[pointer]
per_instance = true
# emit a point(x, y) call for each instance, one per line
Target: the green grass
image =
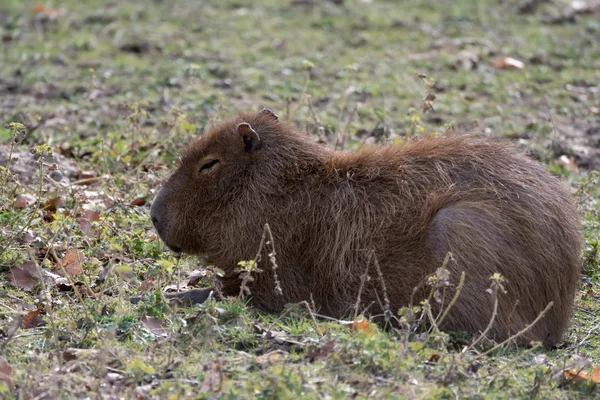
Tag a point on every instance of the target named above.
point(118, 88)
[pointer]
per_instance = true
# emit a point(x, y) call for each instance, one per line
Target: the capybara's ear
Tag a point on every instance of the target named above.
point(271, 114)
point(250, 137)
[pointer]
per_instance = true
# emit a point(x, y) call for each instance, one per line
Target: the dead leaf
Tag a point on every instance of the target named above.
point(361, 326)
point(147, 285)
point(86, 175)
point(63, 285)
point(576, 376)
point(71, 263)
point(156, 326)
point(113, 377)
point(315, 353)
point(270, 357)
point(428, 103)
point(6, 374)
point(508, 63)
point(50, 13)
point(596, 374)
point(435, 358)
point(52, 204)
point(24, 277)
point(71, 354)
point(213, 379)
point(33, 319)
point(85, 222)
point(138, 202)
point(24, 201)
point(567, 163)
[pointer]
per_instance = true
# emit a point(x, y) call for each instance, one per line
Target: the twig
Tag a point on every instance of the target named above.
point(341, 141)
point(521, 332)
point(517, 358)
point(48, 307)
point(580, 343)
point(291, 114)
point(489, 326)
point(554, 130)
point(274, 265)
point(459, 288)
point(363, 278)
point(387, 311)
point(427, 307)
point(110, 177)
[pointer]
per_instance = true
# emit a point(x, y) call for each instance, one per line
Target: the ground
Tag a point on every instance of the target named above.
point(98, 97)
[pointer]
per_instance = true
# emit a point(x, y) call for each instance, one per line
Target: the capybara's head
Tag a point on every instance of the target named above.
point(215, 170)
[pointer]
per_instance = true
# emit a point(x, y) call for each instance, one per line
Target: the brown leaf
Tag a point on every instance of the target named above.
point(24, 201)
point(156, 326)
point(271, 357)
point(86, 175)
point(82, 289)
point(567, 163)
point(429, 97)
point(435, 358)
point(147, 285)
point(24, 277)
point(315, 353)
point(50, 13)
point(5, 374)
point(71, 263)
point(52, 205)
point(38, 9)
point(33, 319)
point(213, 379)
point(361, 325)
point(596, 374)
point(138, 202)
point(428, 106)
point(575, 376)
point(85, 222)
point(69, 355)
point(508, 63)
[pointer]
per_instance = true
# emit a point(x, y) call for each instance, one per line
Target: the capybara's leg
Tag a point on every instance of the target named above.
point(484, 240)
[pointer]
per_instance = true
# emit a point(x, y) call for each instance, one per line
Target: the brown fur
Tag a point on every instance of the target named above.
point(493, 208)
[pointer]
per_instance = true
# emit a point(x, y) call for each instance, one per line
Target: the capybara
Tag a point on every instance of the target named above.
point(334, 215)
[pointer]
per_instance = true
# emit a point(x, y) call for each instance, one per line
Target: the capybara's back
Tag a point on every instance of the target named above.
point(393, 211)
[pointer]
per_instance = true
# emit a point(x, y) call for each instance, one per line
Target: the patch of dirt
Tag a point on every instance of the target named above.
point(24, 168)
point(580, 142)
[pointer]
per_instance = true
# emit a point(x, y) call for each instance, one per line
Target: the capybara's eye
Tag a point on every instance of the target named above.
point(208, 165)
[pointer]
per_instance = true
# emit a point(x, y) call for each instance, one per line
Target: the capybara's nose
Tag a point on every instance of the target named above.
point(158, 215)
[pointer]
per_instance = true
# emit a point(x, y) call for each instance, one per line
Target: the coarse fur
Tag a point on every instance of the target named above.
point(493, 208)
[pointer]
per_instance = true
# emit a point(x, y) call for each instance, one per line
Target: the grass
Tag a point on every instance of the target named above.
point(115, 89)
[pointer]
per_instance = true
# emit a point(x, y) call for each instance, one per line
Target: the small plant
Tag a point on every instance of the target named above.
point(16, 129)
point(246, 269)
